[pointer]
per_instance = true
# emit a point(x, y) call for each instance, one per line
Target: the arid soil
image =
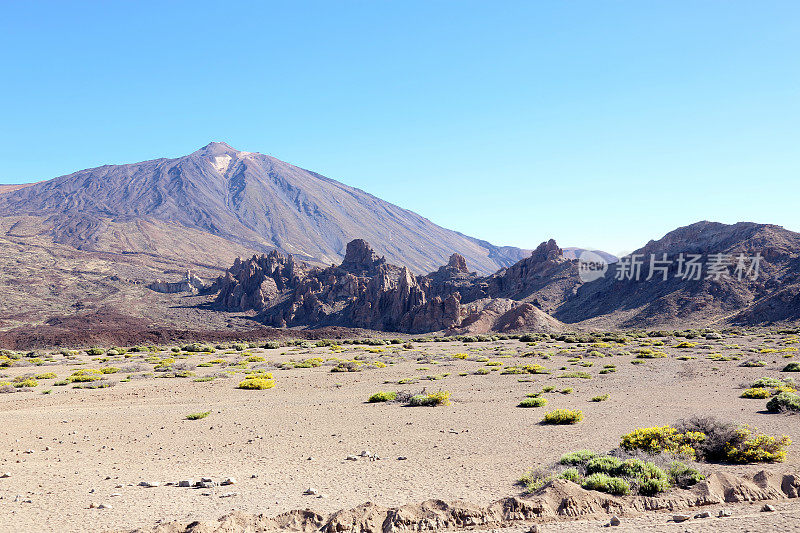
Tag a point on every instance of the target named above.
point(69, 450)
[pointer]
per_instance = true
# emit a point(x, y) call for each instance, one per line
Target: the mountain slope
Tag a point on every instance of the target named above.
point(249, 199)
point(770, 297)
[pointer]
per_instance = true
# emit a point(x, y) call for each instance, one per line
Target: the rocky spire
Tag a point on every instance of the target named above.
point(458, 263)
point(360, 257)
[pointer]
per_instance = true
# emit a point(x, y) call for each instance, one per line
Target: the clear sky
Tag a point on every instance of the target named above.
point(599, 123)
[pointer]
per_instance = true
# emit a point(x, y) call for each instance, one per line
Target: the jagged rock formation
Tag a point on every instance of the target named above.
point(364, 291)
point(546, 278)
point(369, 292)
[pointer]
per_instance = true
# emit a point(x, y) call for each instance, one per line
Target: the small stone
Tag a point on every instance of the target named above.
point(149, 484)
point(206, 479)
point(104, 506)
point(351, 458)
point(723, 513)
point(5, 475)
point(705, 514)
point(115, 494)
point(614, 521)
point(206, 484)
point(310, 491)
point(364, 453)
point(92, 505)
point(533, 529)
point(229, 495)
point(186, 483)
point(310, 458)
point(680, 517)
point(322, 496)
point(229, 481)
point(402, 458)
point(768, 508)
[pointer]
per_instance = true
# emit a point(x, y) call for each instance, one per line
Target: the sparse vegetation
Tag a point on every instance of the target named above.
point(430, 400)
point(581, 375)
point(198, 416)
point(563, 416)
point(382, 397)
point(259, 383)
point(756, 393)
point(785, 401)
point(533, 402)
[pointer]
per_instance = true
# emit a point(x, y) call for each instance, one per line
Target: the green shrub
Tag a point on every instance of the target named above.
point(683, 476)
point(600, 398)
point(605, 464)
point(46, 375)
point(535, 480)
point(577, 457)
point(571, 474)
point(766, 383)
point(794, 366)
point(651, 487)
point(430, 400)
point(198, 416)
point(563, 416)
point(605, 483)
point(533, 402)
point(582, 375)
point(95, 351)
point(256, 384)
point(382, 396)
point(785, 401)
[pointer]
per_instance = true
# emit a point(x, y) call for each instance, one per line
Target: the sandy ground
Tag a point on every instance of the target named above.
point(70, 448)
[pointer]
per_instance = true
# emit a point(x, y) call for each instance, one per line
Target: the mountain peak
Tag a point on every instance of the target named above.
point(217, 148)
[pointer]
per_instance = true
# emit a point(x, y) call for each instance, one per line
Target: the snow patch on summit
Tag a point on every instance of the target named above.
point(221, 163)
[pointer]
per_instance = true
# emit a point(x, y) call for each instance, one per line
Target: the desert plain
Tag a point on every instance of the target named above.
point(85, 431)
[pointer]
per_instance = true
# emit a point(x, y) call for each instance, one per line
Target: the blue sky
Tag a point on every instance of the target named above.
point(600, 124)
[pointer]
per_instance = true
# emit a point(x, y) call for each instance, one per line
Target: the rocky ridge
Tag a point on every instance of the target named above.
point(366, 291)
point(540, 292)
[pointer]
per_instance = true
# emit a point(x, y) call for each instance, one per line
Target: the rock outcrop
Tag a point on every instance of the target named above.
point(363, 291)
point(546, 278)
point(190, 283)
